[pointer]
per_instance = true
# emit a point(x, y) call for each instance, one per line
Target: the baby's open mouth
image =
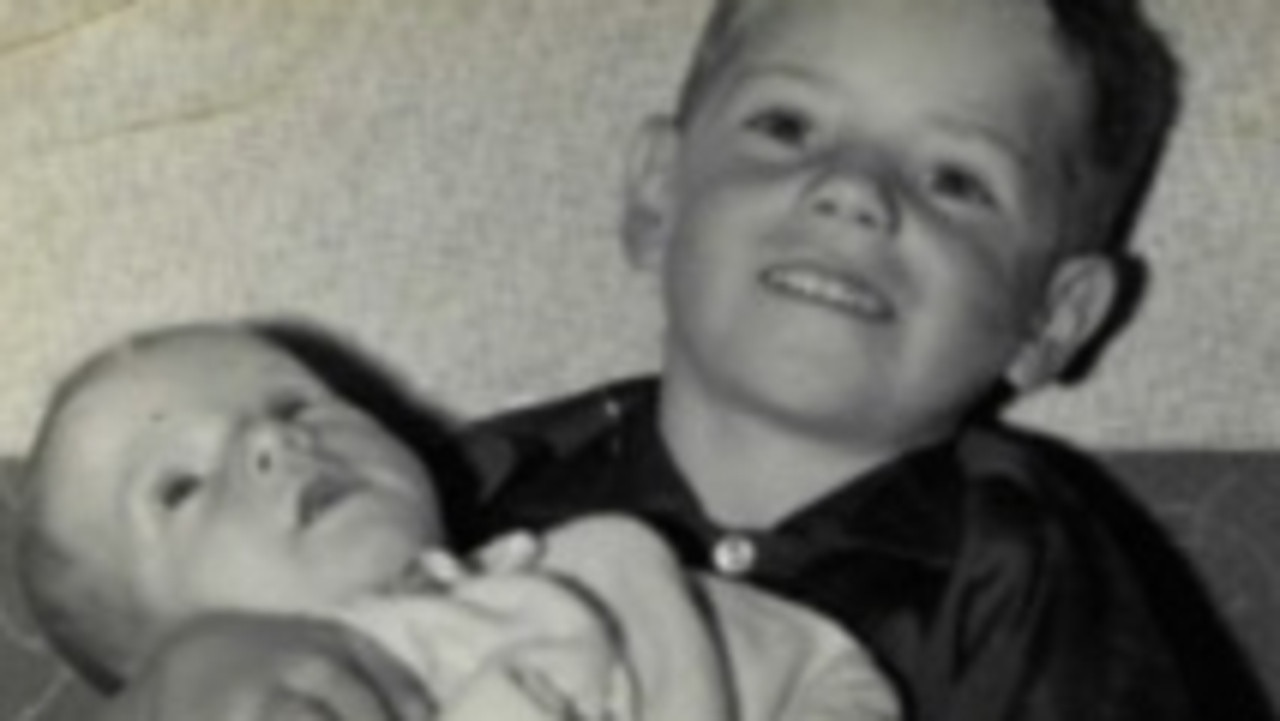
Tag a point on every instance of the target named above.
point(322, 494)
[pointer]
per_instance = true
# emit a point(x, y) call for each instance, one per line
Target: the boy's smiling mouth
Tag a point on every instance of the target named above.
point(844, 291)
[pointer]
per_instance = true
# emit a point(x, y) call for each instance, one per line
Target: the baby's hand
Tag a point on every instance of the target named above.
point(513, 552)
point(438, 569)
point(243, 668)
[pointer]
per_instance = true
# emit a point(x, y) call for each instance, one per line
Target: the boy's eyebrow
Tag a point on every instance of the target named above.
point(761, 72)
point(985, 135)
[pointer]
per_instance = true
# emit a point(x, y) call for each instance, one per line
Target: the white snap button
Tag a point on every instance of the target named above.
point(734, 555)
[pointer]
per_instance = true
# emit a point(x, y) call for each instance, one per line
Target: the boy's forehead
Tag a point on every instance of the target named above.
point(864, 19)
point(1000, 60)
point(742, 12)
point(988, 33)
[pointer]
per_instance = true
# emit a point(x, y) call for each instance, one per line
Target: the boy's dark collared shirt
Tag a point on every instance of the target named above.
point(983, 583)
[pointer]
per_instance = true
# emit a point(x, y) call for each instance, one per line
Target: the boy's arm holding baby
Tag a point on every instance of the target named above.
point(247, 668)
point(251, 667)
point(538, 632)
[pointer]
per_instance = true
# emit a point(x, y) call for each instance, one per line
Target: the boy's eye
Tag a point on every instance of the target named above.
point(781, 125)
point(177, 489)
point(959, 184)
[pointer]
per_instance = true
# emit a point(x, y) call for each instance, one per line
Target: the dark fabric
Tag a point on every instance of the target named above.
point(974, 569)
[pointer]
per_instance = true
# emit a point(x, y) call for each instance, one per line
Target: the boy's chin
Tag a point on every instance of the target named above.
point(806, 400)
point(816, 416)
point(849, 417)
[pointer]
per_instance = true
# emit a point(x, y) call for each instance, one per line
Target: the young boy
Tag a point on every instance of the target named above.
point(870, 218)
point(202, 470)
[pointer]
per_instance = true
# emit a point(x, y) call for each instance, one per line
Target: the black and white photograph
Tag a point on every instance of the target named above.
point(639, 360)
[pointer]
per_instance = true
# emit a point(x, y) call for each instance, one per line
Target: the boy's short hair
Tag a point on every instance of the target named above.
point(1131, 74)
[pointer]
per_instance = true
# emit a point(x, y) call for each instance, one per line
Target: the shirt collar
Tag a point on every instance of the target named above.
point(904, 507)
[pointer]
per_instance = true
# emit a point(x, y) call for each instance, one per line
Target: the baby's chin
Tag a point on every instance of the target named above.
point(386, 562)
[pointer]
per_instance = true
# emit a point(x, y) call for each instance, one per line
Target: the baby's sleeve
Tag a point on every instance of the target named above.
point(439, 641)
point(663, 632)
point(534, 632)
point(787, 663)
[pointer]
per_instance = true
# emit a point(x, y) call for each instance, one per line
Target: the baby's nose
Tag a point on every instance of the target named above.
point(275, 449)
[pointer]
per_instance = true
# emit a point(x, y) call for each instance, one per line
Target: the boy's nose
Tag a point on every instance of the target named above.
point(856, 195)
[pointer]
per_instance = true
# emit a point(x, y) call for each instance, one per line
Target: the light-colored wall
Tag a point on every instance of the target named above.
point(436, 180)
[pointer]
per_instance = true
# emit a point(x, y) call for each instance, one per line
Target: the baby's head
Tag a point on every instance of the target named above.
point(867, 213)
point(203, 468)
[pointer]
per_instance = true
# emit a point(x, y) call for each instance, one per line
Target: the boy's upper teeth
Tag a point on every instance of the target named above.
point(839, 290)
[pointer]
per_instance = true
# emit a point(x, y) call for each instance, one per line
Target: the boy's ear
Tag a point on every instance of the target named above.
point(1077, 303)
point(649, 206)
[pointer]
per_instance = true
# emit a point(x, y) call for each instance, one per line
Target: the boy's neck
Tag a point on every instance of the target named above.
point(753, 472)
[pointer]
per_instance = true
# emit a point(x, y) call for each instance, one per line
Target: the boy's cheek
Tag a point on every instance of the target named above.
point(721, 165)
point(977, 287)
point(739, 205)
point(988, 256)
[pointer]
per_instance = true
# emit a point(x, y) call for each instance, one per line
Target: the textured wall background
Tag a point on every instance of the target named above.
point(436, 180)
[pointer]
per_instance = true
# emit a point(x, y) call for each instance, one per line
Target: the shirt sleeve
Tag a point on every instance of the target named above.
point(1041, 619)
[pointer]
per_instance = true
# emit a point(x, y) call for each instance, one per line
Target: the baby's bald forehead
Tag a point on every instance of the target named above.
point(212, 355)
point(143, 382)
point(191, 366)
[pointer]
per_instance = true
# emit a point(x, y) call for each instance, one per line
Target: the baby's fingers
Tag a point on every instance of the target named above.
point(511, 553)
point(443, 568)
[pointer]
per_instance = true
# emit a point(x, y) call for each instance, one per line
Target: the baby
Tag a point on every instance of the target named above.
point(203, 469)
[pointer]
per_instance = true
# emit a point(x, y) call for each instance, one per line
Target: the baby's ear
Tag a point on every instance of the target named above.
point(649, 201)
point(1080, 296)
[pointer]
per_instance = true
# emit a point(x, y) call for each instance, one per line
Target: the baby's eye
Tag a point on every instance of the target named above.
point(959, 184)
point(782, 125)
point(287, 406)
point(177, 489)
